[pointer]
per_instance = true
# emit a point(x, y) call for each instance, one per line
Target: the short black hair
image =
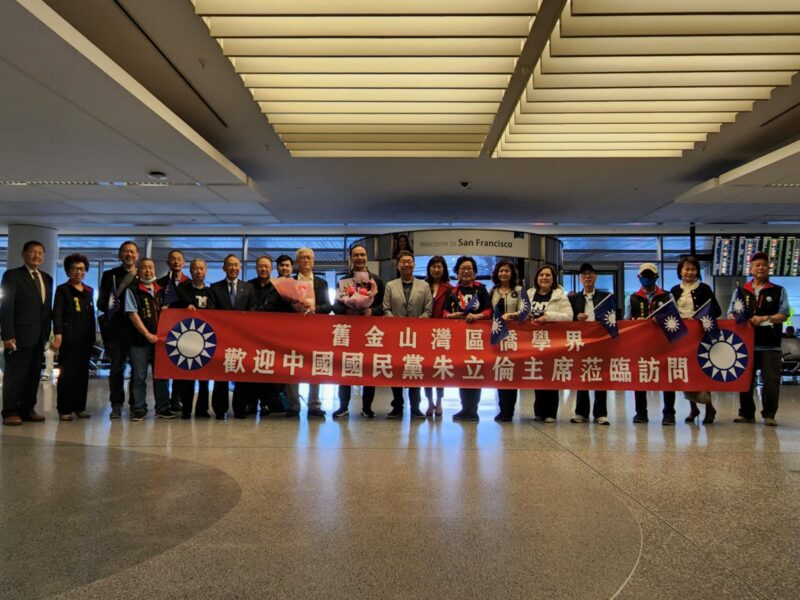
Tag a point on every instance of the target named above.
point(514, 275)
point(691, 260)
point(31, 243)
point(284, 258)
point(74, 259)
point(445, 271)
point(462, 259)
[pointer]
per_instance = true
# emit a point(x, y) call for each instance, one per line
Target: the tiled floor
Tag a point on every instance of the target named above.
point(374, 508)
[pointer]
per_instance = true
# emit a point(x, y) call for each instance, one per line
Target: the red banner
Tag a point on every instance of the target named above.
point(281, 347)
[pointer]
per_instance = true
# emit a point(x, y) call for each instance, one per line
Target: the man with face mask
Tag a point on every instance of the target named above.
point(641, 305)
point(170, 298)
point(143, 305)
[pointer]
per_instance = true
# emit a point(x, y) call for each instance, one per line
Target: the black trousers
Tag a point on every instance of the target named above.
point(641, 403)
point(120, 355)
point(414, 397)
point(185, 391)
point(508, 401)
point(251, 393)
point(470, 398)
point(21, 380)
point(73, 378)
point(545, 403)
point(582, 404)
point(769, 363)
point(367, 396)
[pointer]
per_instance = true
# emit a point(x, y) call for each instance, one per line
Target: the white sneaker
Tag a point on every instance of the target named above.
point(549, 420)
point(602, 421)
point(577, 419)
point(770, 422)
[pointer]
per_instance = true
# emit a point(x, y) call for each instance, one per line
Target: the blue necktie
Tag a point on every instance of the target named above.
point(233, 293)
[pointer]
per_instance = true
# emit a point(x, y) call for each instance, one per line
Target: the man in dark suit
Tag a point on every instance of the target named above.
point(231, 294)
point(170, 298)
point(115, 326)
point(25, 315)
point(583, 305)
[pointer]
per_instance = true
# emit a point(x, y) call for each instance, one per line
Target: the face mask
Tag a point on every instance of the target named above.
point(647, 281)
point(147, 281)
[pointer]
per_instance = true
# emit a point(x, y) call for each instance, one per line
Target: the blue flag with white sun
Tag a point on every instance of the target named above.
point(707, 319)
point(524, 307)
point(499, 327)
point(739, 306)
point(605, 313)
point(669, 319)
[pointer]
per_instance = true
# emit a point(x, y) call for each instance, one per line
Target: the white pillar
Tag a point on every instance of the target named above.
point(19, 234)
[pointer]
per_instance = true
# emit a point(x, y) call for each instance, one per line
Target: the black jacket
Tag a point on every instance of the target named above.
point(23, 315)
point(578, 301)
point(119, 327)
point(220, 298)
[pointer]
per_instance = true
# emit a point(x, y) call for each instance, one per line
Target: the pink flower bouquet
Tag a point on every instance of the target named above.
point(294, 291)
point(358, 292)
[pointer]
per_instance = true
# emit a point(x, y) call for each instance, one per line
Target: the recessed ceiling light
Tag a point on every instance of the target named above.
point(157, 175)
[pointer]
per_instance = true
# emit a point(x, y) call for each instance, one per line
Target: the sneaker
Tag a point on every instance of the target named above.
point(602, 421)
point(770, 422)
point(578, 419)
point(637, 418)
point(367, 413)
point(668, 421)
point(316, 412)
point(292, 414)
point(342, 411)
point(395, 414)
point(549, 420)
point(116, 411)
point(165, 414)
point(461, 415)
point(417, 414)
point(741, 419)
point(138, 416)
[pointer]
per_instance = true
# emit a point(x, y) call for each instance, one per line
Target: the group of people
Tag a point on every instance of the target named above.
point(131, 299)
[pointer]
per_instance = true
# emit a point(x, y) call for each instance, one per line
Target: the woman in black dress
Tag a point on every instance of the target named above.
point(74, 329)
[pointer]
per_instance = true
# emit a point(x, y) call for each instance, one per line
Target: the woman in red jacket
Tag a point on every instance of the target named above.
point(439, 280)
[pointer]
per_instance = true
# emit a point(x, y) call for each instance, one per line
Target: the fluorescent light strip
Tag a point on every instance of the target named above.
point(356, 7)
point(376, 95)
point(376, 80)
point(242, 47)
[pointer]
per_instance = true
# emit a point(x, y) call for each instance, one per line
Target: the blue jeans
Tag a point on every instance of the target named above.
point(141, 358)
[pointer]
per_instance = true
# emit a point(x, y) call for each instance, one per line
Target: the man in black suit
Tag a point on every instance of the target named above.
point(170, 298)
point(231, 294)
point(25, 315)
point(583, 305)
point(115, 326)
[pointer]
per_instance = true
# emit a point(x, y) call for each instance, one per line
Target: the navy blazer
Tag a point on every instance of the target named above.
point(23, 315)
point(220, 298)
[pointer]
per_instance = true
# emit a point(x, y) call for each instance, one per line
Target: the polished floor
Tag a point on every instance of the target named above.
point(361, 508)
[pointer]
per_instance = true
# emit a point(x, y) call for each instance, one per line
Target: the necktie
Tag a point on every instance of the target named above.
point(38, 279)
point(233, 293)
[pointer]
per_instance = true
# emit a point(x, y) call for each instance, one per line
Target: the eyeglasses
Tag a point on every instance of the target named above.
point(79, 269)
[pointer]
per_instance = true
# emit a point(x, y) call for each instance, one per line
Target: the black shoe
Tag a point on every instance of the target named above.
point(176, 406)
point(461, 415)
point(186, 415)
point(395, 414)
point(240, 415)
point(316, 412)
point(138, 416)
point(202, 415)
point(669, 421)
point(165, 414)
point(367, 413)
point(220, 417)
point(292, 414)
point(342, 411)
point(637, 418)
point(507, 418)
point(116, 411)
point(417, 414)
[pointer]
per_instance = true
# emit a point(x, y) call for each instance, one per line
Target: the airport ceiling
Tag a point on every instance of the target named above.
point(602, 115)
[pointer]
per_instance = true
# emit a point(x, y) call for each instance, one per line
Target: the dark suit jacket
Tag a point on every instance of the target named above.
point(23, 315)
point(578, 301)
point(323, 303)
point(220, 298)
point(119, 328)
point(267, 297)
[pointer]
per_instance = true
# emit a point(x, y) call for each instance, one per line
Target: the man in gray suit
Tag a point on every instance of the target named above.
point(25, 314)
point(407, 297)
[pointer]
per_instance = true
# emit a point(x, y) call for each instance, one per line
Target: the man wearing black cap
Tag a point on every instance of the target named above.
point(769, 305)
point(642, 305)
point(583, 305)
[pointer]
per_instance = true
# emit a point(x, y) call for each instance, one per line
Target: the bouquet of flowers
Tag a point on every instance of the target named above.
point(294, 291)
point(358, 292)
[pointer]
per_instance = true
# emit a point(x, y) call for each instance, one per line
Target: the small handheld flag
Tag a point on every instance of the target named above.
point(170, 293)
point(669, 319)
point(471, 304)
point(740, 312)
point(605, 313)
point(113, 301)
point(707, 319)
point(499, 327)
point(524, 307)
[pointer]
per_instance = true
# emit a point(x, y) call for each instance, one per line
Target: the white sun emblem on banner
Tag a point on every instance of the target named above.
point(610, 318)
point(191, 343)
point(723, 357)
point(671, 324)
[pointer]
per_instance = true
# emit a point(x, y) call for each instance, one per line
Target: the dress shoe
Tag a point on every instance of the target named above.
point(34, 417)
point(12, 420)
point(693, 413)
point(417, 414)
point(65, 417)
point(711, 412)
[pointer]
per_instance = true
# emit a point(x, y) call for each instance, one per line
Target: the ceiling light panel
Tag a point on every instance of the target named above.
point(639, 78)
point(390, 78)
